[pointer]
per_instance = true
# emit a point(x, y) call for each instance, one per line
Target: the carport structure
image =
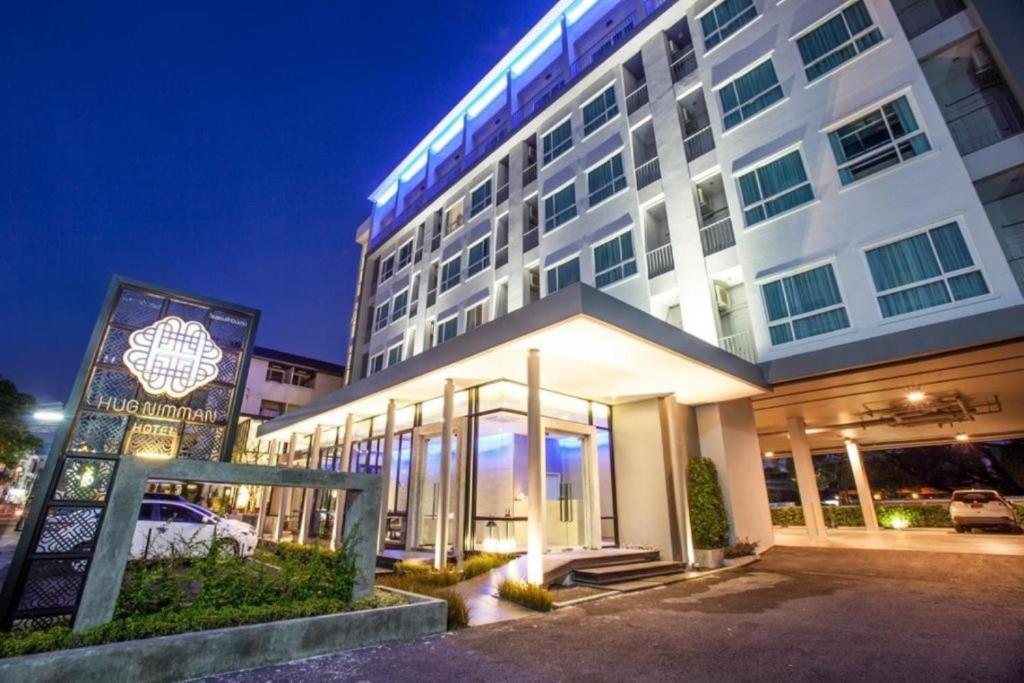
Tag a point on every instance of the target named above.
point(956, 381)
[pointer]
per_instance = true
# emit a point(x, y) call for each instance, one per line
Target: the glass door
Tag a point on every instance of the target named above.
point(430, 491)
point(564, 490)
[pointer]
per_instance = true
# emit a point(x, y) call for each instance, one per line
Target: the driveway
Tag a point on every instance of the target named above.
point(921, 540)
point(800, 613)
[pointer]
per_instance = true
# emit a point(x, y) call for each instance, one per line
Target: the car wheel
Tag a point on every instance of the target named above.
point(228, 547)
point(961, 529)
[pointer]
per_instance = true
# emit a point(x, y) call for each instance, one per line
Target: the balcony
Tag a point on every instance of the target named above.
point(717, 236)
point(501, 256)
point(699, 144)
point(741, 345)
point(502, 194)
point(648, 173)
point(660, 261)
point(984, 118)
point(918, 16)
point(637, 98)
point(529, 174)
point(531, 238)
point(683, 64)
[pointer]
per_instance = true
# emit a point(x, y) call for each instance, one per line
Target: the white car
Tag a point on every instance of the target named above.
point(168, 526)
point(981, 508)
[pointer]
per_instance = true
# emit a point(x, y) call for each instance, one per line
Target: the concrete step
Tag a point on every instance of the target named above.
point(615, 573)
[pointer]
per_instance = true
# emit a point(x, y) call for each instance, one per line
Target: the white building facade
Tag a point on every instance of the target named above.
point(795, 190)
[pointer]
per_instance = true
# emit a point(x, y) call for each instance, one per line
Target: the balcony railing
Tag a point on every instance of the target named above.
point(604, 45)
point(918, 16)
point(501, 256)
point(637, 98)
point(683, 64)
point(529, 174)
point(531, 238)
point(699, 144)
point(526, 112)
point(717, 236)
point(984, 118)
point(647, 173)
point(741, 345)
point(502, 194)
point(660, 261)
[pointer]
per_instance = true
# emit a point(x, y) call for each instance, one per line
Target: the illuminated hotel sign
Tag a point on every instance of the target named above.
point(162, 378)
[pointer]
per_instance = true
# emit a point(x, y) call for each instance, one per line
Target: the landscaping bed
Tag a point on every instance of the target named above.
point(924, 515)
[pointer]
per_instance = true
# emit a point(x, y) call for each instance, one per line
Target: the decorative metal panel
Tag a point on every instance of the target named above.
point(69, 529)
point(98, 433)
point(85, 480)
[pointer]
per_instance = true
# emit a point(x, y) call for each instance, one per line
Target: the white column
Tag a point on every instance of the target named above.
point(310, 496)
point(592, 491)
point(389, 447)
point(441, 532)
point(814, 519)
point(286, 492)
point(860, 478)
point(339, 503)
point(536, 543)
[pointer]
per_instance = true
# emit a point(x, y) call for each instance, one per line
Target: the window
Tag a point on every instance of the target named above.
point(394, 355)
point(929, 269)
point(380, 321)
point(404, 255)
point(454, 218)
point(558, 141)
point(774, 188)
point(303, 378)
point(605, 180)
point(399, 305)
point(479, 257)
point(447, 329)
point(804, 305)
point(276, 373)
point(724, 19)
point(480, 199)
point(451, 272)
point(387, 267)
point(271, 409)
point(475, 317)
point(599, 111)
point(748, 94)
point(614, 260)
point(885, 137)
point(168, 512)
point(377, 363)
point(560, 207)
point(563, 275)
point(838, 40)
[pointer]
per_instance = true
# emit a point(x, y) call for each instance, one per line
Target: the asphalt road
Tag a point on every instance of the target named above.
point(799, 614)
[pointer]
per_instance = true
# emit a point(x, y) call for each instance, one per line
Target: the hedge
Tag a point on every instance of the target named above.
point(708, 518)
point(925, 515)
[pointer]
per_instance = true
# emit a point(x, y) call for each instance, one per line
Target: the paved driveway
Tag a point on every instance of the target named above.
point(801, 613)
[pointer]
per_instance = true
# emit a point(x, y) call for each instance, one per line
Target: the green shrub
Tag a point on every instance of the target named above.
point(170, 622)
point(930, 515)
point(708, 518)
point(791, 516)
point(413, 582)
point(483, 563)
point(526, 594)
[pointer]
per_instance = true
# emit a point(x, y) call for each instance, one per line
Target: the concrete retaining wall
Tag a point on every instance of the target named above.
point(191, 655)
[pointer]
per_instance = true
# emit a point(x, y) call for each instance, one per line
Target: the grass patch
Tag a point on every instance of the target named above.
point(171, 622)
point(526, 594)
point(422, 583)
point(482, 563)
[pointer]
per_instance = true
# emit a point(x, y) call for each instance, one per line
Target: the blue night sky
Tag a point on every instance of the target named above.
point(221, 148)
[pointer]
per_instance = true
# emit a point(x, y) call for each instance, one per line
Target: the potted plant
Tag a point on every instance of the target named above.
point(708, 519)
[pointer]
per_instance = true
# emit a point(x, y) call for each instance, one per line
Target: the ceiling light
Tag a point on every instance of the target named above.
point(769, 454)
point(916, 396)
point(960, 436)
point(48, 416)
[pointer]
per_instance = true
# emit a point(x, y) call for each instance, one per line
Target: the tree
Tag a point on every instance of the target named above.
point(708, 518)
point(16, 441)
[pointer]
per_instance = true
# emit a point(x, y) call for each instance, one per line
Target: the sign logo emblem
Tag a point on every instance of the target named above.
point(172, 357)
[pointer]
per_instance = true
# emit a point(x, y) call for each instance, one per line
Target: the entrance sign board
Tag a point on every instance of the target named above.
point(162, 379)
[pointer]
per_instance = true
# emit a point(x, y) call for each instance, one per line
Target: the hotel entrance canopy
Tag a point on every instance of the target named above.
point(591, 345)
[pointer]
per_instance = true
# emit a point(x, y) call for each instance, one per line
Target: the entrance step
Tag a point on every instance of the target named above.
point(558, 566)
point(619, 572)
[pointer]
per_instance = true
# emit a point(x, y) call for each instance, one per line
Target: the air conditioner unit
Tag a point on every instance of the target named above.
point(722, 297)
point(984, 68)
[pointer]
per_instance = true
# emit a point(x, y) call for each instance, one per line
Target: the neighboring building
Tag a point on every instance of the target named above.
point(278, 382)
point(830, 189)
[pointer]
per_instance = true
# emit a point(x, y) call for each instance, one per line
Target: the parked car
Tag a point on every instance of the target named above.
point(981, 508)
point(167, 525)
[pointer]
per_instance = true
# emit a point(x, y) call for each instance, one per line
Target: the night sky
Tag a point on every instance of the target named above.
point(220, 148)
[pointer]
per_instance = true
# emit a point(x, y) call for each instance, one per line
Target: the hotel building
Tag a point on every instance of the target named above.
point(660, 230)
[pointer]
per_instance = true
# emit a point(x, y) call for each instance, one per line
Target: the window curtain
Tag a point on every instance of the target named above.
point(782, 174)
point(821, 323)
point(951, 247)
point(901, 263)
point(774, 301)
point(968, 285)
point(913, 299)
point(812, 290)
point(823, 39)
